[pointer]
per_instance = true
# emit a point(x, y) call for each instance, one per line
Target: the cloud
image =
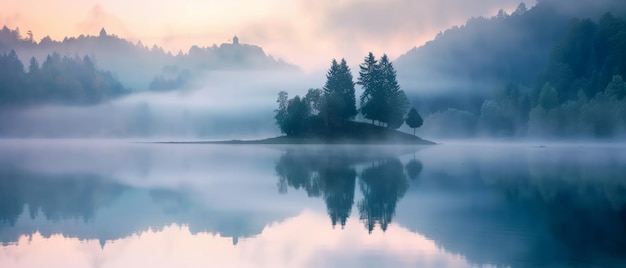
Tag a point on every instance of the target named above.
point(306, 32)
point(377, 19)
point(402, 20)
point(318, 31)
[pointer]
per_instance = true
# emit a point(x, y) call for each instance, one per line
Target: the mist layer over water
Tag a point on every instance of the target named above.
point(452, 205)
point(220, 105)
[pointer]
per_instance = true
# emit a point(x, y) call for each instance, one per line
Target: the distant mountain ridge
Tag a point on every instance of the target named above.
point(463, 65)
point(142, 68)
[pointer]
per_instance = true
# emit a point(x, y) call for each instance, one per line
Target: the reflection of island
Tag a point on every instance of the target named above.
point(535, 209)
point(331, 175)
point(94, 207)
point(504, 207)
point(57, 197)
point(504, 210)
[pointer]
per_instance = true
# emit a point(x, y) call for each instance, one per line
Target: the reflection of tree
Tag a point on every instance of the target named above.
point(328, 173)
point(413, 168)
point(565, 209)
point(11, 204)
point(327, 176)
point(296, 170)
point(382, 185)
point(58, 197)
point(338, 187)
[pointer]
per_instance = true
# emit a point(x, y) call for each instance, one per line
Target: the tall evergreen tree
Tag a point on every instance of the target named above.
point(339, 102)
point(382, 99)
point(370, 80)
point(395, 102)
point(347, 91)
point(34, 66)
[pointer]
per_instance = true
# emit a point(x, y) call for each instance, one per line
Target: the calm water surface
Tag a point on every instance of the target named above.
point(119, 204)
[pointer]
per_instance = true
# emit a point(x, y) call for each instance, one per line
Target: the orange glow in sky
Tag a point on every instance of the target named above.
point(304, 32)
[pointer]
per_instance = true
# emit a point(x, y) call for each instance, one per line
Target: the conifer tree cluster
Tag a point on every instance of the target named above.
point(66, 80)
point(339, 93)
point(322, 110)
point(382, 99)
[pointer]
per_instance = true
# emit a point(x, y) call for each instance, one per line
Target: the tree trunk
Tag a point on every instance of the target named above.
point(413, 131)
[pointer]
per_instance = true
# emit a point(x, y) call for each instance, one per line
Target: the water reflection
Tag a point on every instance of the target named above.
point(331, 175)
point(57, 197)
point(414, 168)
point(382, 185)
point(288, 243)
point(562, 206)
point(519, 206)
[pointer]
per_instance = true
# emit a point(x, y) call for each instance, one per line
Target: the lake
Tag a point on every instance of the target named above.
point(87, 203)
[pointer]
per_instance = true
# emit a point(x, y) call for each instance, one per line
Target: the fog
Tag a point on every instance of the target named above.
point(103, 141)
point(220, 105)
point(516, 76)
point(492, 203)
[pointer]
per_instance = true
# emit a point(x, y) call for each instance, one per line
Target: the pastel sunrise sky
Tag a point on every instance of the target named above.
point(308, 33)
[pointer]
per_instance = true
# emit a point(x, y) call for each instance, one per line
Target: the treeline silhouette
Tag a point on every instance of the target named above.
point(83, 205)
point(579, 94)
point(328, 112)
point(63, 80)
point(461, 80)
point(462, 65)
point(141, 67)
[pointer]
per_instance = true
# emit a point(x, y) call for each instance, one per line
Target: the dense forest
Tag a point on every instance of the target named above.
point(472, 59)
point(140, 67)
point(60, 80)
point(485, 77)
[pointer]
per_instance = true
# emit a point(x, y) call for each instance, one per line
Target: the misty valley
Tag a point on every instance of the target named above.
point(463, 134)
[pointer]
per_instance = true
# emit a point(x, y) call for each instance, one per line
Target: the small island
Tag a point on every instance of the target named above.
point(326, 116)
point(349, 133)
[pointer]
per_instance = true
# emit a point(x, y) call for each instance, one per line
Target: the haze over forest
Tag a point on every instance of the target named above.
point(551, 69)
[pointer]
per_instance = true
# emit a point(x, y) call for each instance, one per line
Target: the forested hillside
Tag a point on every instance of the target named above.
point(456, 78)
point(141, 67)
point(59, 80)
point(580, 93)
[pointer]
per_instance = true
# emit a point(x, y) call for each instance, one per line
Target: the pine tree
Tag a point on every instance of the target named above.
point(394, 98)
point(339, 102)
point(347, 91)
point(370, 80)
point(34, 66)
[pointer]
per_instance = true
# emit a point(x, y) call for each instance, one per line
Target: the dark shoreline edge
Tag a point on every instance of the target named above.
point(290, 140)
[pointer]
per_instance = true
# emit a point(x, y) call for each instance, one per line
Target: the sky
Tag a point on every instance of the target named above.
point(308, 33)
point(288, 243)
